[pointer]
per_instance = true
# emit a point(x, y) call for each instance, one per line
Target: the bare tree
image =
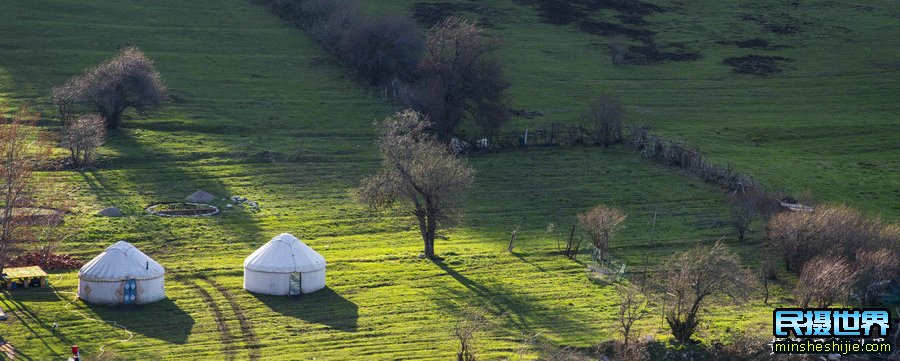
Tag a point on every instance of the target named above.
point(328, 20)
point(606, 117)
point(82, 137)
point(634, 307)
point(419, 172)
point(383, 49)
point(601, 223)
point(823, 281)
point(460, 80)
point(873, 274)
point(21, 150)
point(466, 333)
point(692, 277)
point(767, 273)
point(844, 231)
point(618, 50)
point(128, 80)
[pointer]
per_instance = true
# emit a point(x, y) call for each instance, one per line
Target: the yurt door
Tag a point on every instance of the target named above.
point(130, 292)
point(295, 284)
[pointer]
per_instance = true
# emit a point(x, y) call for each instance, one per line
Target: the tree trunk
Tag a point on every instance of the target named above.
point(113, 118)
point(429, 238)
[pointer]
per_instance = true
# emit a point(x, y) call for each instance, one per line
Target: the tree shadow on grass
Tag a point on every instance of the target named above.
point(514, 307)
point(324, 307)
point(162, 320)
point(16, 308)
point(157, 176)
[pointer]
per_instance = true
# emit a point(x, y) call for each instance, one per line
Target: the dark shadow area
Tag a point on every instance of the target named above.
point(17, 310)
point(162, 320)
point(522, 258)
point(40, 294)
point(324, 307)
point(161, 177)
point(105, 192)
point(514, 307)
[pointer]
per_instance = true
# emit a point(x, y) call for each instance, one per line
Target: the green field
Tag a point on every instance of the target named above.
point(829, 123)
point(260, 111)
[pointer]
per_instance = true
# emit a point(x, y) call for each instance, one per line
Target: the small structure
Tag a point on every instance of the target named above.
point(23, 277)
point(110, 212)
point(284, 266)
point(121, 275)
point(796, 207)
point(200, 197)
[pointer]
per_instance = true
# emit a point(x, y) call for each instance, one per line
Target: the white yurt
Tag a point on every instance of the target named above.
point(121, 275)
point(284, 266)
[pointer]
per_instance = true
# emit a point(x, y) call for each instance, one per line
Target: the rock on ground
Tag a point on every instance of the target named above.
point(111, 212)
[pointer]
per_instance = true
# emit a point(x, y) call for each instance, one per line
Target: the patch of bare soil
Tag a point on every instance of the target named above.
point(759, 65)
point(611, 29)
point(650, 53)
point(624, 6)
point(779, 17)
point(617, 20)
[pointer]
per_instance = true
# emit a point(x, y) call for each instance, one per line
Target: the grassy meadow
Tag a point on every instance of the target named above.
point(827, 124)
point(259, 111)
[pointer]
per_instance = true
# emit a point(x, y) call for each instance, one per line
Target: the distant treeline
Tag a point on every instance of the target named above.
point(447, 74)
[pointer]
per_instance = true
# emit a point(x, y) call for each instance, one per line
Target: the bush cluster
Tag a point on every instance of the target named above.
point(447, 74)
point(379, 49)
point(840, 248)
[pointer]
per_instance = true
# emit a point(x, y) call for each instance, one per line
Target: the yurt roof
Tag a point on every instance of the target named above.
point(121, 261)
point(284, 253)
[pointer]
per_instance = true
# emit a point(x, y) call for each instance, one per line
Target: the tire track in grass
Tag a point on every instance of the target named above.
point(250, 337)
point(228, 346)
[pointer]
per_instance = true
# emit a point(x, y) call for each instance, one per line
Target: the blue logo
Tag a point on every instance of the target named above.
point(831, 322)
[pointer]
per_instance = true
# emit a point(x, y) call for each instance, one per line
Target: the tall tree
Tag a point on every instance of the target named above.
point(460, 79)
point(21, 150)
point(128, 80)
point(420, 173)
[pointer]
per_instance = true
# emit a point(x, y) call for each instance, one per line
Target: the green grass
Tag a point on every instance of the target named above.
point(261, 115)
point(829, 124)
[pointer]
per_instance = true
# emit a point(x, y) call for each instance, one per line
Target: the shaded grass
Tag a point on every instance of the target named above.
point(828, 123)
point(257, 117)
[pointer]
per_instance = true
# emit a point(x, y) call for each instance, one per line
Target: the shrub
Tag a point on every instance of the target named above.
point(600, 224)
point(382, 49)
point(128, 80)
point(802, 236)
point(873, 274)
point(692, 277)
point(606, 117)
point(823, 281)
point(82, 137)
point(634, 307)
point(746, 205)
point(327, 21)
